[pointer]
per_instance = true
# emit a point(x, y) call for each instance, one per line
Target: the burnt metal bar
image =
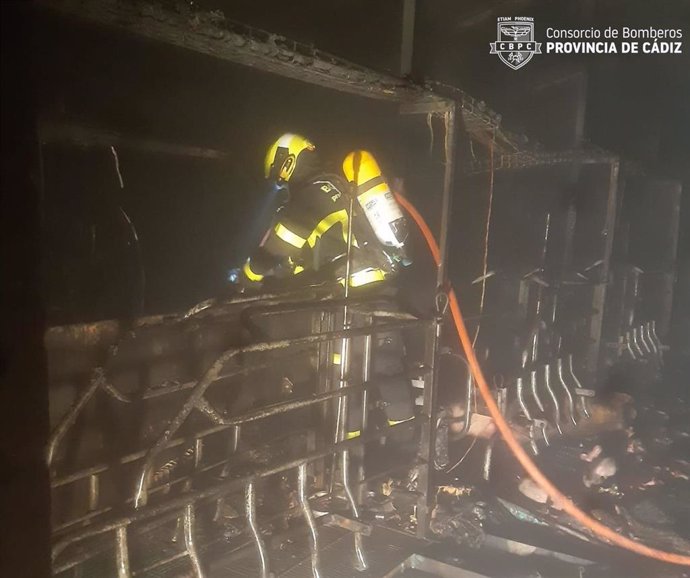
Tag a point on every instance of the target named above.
point(660, 346)
point(651, 346)
point(568, 393)
point(98, 381)
point(650, 339)
point(250, 507)
point(628, 345)
point(469, 395)
point(214, 371)
point(122, 553)
point(525, 159)
point(56, 132)
point(594, 357)
point(502, 402)
point(448, 184)
point(427, 448)
point(407, 40)
point(190, 541)
point(211, 34)
point(278, 408)
point(69, 419)
point(581, 392)
point(129, 458)
point(359, 546)
point(554, 398)
point(309, 518)
point(645, 344)
point(225, 472)
point(534, 390)
point(521, 398)
point(215, 491)
point(93, 492)
point(427, 443)
point(636, 343)
point(343, 401)
point(366, 376)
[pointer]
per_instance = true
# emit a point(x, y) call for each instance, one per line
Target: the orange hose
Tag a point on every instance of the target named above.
point(516, 449)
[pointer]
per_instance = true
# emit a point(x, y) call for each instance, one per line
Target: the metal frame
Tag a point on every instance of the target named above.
point(100, 522)
point(211, 34)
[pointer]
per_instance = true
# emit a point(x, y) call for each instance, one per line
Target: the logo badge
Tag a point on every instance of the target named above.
point(515, 43)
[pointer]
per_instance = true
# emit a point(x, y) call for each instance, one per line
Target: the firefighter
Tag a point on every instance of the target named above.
point(307, 243)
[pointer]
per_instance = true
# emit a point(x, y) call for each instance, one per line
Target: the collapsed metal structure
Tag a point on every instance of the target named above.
point(162, 379)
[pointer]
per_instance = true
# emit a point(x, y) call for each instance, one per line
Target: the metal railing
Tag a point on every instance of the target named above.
point(102, 520)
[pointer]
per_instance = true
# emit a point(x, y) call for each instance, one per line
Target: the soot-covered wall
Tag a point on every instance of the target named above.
point(193, 216)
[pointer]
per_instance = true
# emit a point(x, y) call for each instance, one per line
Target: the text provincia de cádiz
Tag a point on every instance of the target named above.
point(654, 41)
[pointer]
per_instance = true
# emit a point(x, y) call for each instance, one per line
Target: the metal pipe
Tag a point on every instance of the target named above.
point(533, 388)
point(426, 454)
point(250, 507)
point(232, 449)
point(628, 345)
point(366, 377)
point(309, 518)
point(568, 393)
point(583, 399)
point(532, 439)
point(646, 345)
point(278, 408)
point(342, 414)
point(343, 404)
point(521, 399)
point(68, 420)
point(219, 489)
point(122, 553)
point(366, 374)
point(650, 339)
point(469, 394)
point(93, 492)
point(488, 454)
point(501, 401)
point(636, 343)
point(359, 548)
point(448, 176)
point(190, 541)
point(554, 398)
point(659, 345)
point(307, 306)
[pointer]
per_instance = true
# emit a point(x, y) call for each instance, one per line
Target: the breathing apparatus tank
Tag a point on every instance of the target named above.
point(377, 201)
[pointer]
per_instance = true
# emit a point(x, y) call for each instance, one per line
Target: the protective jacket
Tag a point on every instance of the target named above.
point(309, 233)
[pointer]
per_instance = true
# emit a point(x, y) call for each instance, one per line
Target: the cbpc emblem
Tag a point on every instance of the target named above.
point(515, 43)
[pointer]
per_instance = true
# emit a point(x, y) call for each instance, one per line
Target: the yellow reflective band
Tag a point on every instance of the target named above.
point(250, 274)
point(367, 195)
point(297, 270)
point(326, 223)
point(392, 422)
point(364, 277)
point(336, 358)
point(289, 237)
point(353, 434)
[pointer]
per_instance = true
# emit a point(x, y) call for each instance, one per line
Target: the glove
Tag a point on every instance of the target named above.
point(239, 283)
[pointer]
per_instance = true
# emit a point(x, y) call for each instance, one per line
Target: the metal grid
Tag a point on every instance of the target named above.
point(109, 535)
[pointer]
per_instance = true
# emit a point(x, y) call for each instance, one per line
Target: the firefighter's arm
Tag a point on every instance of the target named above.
point(278, 256)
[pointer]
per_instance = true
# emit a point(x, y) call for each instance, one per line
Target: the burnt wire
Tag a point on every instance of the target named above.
point(135, 237)
point(430, 124)
point(486, 237)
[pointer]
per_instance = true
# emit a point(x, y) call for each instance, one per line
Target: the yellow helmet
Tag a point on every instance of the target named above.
point(281, 158)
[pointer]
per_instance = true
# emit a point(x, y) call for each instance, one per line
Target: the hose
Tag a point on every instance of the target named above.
point(514, 446)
